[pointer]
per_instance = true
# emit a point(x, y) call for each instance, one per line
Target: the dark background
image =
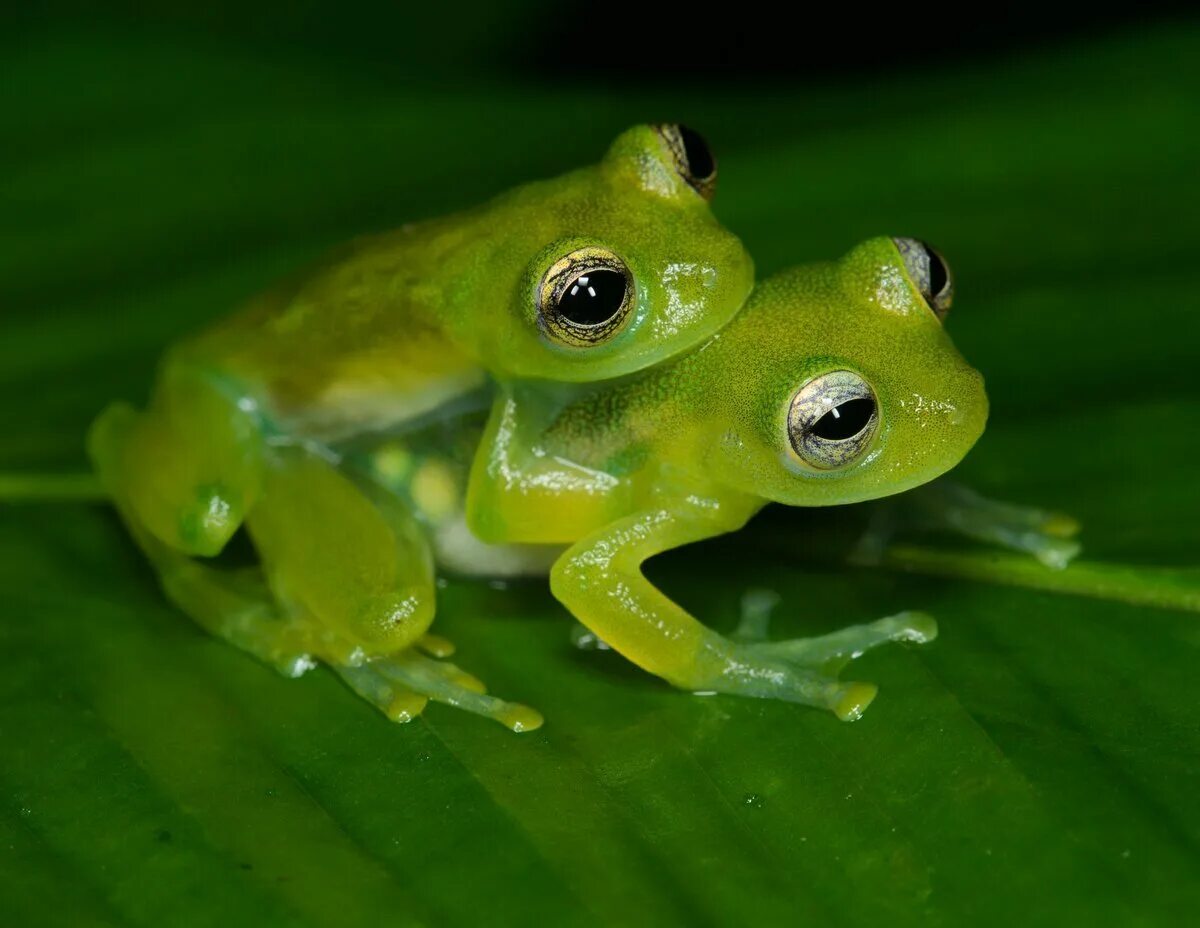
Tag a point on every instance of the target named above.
point(622, 42)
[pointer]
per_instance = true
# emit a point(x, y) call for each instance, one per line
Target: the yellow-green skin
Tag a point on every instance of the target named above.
point(397, 324)
point(403, 325)
point(623, 470)
point(694, 447)
point(395, 329)
point(715, 420)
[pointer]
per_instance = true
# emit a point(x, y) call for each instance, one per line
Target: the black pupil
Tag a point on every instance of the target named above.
point(938, 277)
point(845, 420)
point(593, 298)
point(700, 159)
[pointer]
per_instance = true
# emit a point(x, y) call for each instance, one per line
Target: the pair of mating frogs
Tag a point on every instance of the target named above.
point(573, 378)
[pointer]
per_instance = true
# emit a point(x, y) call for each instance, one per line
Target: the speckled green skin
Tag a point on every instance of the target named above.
point(718, 415)
point(417, 322)
point(696, 445)
point(620, 471)
point(699, 445)
point(714, 421)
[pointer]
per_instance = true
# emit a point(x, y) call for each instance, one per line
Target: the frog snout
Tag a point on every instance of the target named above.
point(971, 411)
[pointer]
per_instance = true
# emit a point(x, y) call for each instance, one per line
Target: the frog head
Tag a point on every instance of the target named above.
point(603, 271)
point(841, 383)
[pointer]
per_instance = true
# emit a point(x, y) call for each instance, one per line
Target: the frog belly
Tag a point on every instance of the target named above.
point(354, 408)
point(428, 468)
point(458, 551)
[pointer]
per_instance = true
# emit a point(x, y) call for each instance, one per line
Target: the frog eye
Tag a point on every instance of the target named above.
point(693, 158)
point(929, 272)
point(832, 420)
point(585, 297)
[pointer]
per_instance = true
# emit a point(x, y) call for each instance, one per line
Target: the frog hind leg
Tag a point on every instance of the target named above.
point(232, 604)
point(237, 606)
point(185, 470)
point(425, 678)
point(342, 550)
point(946, 506)
point(366, 573)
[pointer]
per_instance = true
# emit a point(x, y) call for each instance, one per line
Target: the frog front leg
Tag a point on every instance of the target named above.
point(947, 506)
point(518, 492)
point(600, 580)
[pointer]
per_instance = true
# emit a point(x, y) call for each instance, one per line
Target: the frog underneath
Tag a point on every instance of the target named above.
point(836, 383)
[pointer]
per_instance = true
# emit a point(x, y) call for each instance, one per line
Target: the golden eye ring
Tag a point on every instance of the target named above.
point(585, 298)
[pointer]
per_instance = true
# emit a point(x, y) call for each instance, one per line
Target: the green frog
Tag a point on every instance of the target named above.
point(836, 383)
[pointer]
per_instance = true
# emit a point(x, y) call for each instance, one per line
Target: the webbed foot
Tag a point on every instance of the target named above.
point(805, 670)
point(401, 685)
point(943, 505)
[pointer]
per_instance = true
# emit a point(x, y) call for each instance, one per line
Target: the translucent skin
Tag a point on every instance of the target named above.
point(615, 472)
point(714, 421)
point(396, 328)
point(397, 324)
point(695, 447)
point(717, 417)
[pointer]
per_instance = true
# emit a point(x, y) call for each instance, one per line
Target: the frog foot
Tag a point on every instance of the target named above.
point(1048, 536)
point(945, 506)
point(805, 670)
point(401, 685)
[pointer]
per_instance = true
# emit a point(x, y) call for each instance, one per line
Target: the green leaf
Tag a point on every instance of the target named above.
point(1036, 765)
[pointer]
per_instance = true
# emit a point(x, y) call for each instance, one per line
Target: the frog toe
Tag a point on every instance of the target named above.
point(1061, 525)
point(850, 700)
point(396, 701)
point(805, 670)
point(852, 642)
point(449, 684)
point(1055, 552)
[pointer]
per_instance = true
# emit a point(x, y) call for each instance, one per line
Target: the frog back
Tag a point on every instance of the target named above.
point(356, 344)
